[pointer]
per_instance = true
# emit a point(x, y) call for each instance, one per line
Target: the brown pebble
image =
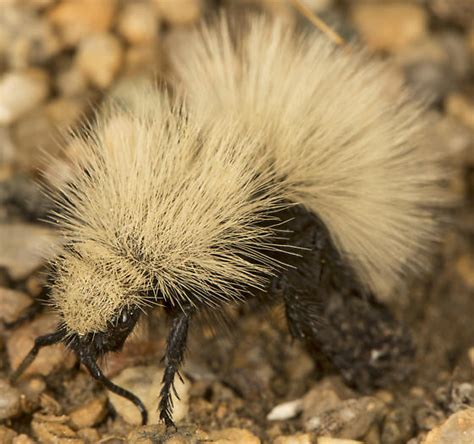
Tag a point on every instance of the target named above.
point(389, 26)
point(299, 438)
point(233, 435)
point(90, 413)
point(54, 433)
point(89, 435)
point(12, 304)
point(31, 390)
point(9, 400)
point(179, 12)
point(6, 435)
point(76, 19)
point(458, 428)
point(461, 107)
point(350, 419)
point(22, 439)
point(49, 358)
point(99, 58)
point(138, 23)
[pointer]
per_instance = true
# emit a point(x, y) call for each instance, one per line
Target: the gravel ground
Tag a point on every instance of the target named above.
point(247, 383)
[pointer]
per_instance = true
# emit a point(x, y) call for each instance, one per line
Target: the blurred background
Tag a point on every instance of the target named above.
point(58, 60)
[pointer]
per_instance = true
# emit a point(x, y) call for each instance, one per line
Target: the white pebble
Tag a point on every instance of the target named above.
point(287, 410)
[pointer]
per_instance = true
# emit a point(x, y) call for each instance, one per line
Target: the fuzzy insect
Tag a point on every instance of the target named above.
point(284, 167)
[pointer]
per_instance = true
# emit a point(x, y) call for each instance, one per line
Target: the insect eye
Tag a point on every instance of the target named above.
point(124, 317)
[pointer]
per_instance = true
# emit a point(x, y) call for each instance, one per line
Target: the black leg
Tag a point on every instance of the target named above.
point(175, 348)
point(40, 342)
point(97, 374)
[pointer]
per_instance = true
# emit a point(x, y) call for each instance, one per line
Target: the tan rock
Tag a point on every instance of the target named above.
point(25, 39)
point(389, 26)
point(6, 435)
point(329, 440)
point(458, 428)
point(77, 19)
point(20, 92)
point(71, 82)
point(179, 12)
point(9, 400)
point(45, 130)
point(99, 58)
point(23, 439)
point(54, 433)
point(142, 59)
point(138, 23)
point(12, 304)
point(233, 436)
point(90, 413)
point(49, 358)
point(461, 107)
point(350, 419)
point(300, 438)
point(145, 382)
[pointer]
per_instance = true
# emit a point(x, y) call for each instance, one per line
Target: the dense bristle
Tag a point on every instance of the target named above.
point(348, 143)
point(162, 204)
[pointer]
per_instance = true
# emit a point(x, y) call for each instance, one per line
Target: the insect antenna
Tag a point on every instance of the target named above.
point(97, 374)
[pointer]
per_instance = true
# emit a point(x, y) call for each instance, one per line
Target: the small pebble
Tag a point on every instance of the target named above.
point(20, 92)
point(351, 419)
point(71, 82)
point(286, 410)
point(389, 26)
point(49, 432)
point(300, 438)
point(233, 435)
point(89, 414)
point(398, 426)
point(31, 390)
point(22, 439)
point(145, 382)
point(142, 59)
point(99, 58)
point(458, 429)
point(320, 399)
point(179, 12)
point(49, 358)
point(329, 440)
point(25, 38)
point(7, 435)
point(138, 23)
point(77, 19)
point(89, 435)
point(461, 107)
point(9, 400)
point(12, 304)
point(460, 12)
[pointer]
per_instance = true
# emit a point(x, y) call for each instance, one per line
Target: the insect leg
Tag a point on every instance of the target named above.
point(176, 346)
point(40, 342)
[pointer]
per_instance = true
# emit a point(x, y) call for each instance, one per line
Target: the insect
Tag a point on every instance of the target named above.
point(282, 166)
